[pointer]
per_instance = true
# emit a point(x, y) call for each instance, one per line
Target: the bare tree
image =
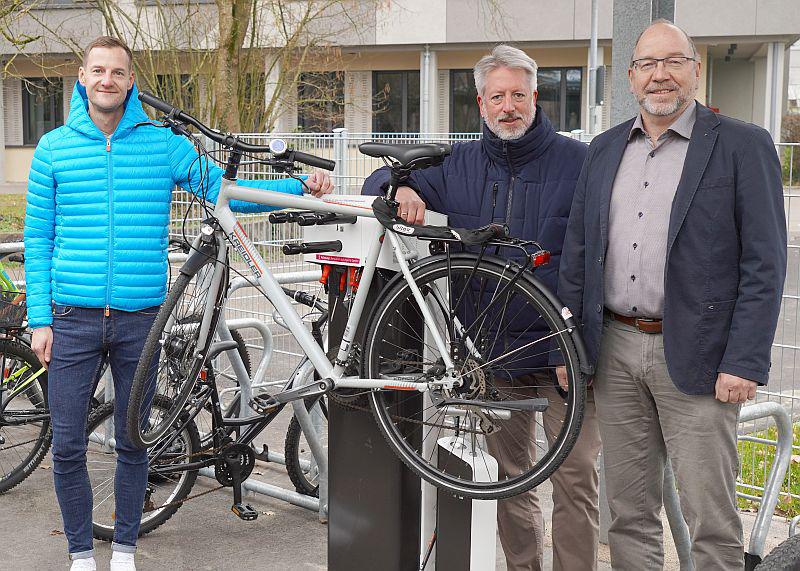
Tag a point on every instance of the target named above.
point(233, 62)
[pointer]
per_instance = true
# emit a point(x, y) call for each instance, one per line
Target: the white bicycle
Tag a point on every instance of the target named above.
point(457, 344)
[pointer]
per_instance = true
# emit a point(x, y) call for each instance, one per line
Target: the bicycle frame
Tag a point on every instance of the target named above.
point(259, 268)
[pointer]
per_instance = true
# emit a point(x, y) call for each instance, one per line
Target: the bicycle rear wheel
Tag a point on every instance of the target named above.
point(25, 432)
point(503, 335)
point(167, 483)
point(172, 359)
point(300, 462)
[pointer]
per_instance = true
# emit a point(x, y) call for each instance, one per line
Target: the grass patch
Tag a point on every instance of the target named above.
point(756, 459)
point(12, 212)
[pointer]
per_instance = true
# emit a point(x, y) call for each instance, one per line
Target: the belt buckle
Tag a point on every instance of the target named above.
point(644, 321)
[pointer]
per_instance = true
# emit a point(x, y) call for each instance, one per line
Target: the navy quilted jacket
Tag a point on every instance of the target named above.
point(96, 225)
point(527, 183)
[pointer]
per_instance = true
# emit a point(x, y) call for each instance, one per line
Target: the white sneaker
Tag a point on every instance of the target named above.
point(122, 562)
point(84, 564)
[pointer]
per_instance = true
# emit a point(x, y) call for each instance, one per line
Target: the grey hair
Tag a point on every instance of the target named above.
point(695, 55)
point(503, 56)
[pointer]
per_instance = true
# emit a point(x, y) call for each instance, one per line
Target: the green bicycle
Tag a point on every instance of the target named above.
point(25, 432)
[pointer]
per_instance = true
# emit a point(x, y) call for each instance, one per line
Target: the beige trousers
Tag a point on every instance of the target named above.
point(575, 496)
point(644, 419)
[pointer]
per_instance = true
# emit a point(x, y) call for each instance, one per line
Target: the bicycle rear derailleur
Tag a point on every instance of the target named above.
point(233, 466)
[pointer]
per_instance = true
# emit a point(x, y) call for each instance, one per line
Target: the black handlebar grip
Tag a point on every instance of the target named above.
point(156, 103)
point(312, 247)
point(278, 217)
point(313, 161)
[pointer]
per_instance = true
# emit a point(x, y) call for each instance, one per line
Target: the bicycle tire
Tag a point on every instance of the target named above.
point(203, 420)
point(18, 461)
point(171, 362)
point(785, 557)
point(483, 294)
point(295, 449)
point(162, 490)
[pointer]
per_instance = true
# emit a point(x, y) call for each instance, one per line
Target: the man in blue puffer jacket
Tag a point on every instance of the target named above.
point(523, 174)
point(96, 232)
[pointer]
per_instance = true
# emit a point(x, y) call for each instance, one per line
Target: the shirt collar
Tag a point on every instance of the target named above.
point(682, 126)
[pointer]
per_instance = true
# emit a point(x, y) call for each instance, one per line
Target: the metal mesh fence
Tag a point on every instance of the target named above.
point(352, 168)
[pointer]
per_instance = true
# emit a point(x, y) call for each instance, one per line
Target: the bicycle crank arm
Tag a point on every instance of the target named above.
point(315, 389)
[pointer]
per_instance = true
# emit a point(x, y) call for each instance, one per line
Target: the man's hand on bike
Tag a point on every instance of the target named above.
point(561, 375)
point(412, 208)
point(42, 344)
point(319, 182)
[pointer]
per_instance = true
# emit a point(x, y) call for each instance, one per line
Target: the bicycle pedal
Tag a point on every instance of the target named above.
point(244, 511)
point(263, 405)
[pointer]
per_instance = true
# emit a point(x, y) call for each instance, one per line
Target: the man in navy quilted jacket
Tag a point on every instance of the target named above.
point(523, 174)
point(96, 231)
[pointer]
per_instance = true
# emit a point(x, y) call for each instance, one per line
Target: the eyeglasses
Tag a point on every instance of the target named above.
point(673, 63)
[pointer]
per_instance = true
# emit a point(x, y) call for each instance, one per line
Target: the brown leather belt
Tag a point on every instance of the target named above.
point(643, 324)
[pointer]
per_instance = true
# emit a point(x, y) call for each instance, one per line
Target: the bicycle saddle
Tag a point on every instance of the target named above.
point(409, 156)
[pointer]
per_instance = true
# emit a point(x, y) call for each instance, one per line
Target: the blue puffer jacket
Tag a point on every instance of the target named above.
point(96, 224)
point(527, 183)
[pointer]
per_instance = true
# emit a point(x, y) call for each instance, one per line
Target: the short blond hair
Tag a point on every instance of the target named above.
point(108, 42)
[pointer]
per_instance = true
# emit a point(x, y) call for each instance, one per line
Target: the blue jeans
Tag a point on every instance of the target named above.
point(82, 338)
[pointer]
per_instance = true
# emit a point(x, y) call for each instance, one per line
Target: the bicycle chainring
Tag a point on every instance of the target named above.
point(243, 459)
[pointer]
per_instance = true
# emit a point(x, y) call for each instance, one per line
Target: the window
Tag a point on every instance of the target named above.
point(252, 101)
point(176, 89)
point(42, 107)
point(320, 101)
point(465, 117)
point(395, 102)
point(560, 96)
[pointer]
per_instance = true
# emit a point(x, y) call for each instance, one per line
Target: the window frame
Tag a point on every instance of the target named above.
point(404, 74)
point(56, 103)
point(337, 79)
point(561, 121)
point(451, 102)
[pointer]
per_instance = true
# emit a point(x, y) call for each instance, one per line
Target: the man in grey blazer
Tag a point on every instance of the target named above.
point(674, 260)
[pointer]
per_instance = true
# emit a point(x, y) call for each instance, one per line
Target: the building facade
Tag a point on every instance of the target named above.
point(408, 66)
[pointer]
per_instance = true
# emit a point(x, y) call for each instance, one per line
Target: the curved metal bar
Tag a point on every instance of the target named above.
point(783, 454)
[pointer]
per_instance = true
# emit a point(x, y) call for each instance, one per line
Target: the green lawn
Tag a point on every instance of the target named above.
point(756, 459)
point(12, 212)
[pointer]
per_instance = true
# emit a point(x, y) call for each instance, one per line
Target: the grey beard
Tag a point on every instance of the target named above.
point(512, 133)
point(663, 109)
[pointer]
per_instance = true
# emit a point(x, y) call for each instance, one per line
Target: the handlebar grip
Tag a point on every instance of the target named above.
point(312, 247)
point(313, 161)
point(159, 104)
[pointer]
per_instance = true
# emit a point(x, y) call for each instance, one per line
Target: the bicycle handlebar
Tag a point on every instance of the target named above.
point(173, 113)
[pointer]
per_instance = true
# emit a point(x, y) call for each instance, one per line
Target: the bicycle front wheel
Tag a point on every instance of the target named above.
point(168, 482)
point(503, 427)
point(25, 432)
point(173, 359)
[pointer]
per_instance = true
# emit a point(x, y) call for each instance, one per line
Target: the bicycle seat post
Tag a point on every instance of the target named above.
point(398, 177)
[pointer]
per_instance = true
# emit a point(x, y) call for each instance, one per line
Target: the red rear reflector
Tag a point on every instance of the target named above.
point(540, 258)
point(203, 374)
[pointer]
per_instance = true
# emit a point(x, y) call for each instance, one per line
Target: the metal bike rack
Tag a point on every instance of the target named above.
point(772, 488)
point(246, 386)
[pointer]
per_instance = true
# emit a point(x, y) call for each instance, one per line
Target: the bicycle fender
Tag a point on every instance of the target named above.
point(570, 322)
point(199, 256)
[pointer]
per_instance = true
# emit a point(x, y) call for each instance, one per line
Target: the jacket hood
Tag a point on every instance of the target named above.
point(519, 151)
point(79, 113)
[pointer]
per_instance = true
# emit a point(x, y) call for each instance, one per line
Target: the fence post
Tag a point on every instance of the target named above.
point(340, 156)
